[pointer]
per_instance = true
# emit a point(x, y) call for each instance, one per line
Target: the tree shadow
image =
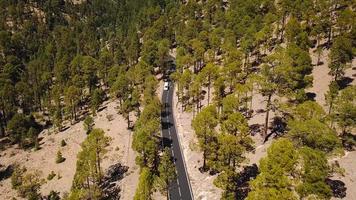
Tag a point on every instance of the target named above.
point(5, 142)
point(344, 82)
point(255, 129)
point(64, 128)
point(337, 187)
point(102, 108)
point(259, 111)
point(349, 141)
point(310, 96)
point(166, 142)
point(242, 181)
point(277, 128)
point(166, 125)
point(109, 183)
point(165, 114)
point(5, 174)
point(47, 125)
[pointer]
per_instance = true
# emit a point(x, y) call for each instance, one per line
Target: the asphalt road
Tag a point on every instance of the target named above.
point(180, 189)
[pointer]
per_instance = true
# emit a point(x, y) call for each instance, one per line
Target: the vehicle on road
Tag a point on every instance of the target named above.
point(166, 86)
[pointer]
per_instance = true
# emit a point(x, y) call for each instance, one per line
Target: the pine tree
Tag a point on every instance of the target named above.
point(88, 124)
point(344, 112)
point(144, 188)
point(167, 172)
point(273, 181)
point(204, 124)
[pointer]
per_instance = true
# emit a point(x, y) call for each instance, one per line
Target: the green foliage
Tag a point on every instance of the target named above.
point(344, 112)
point(144, 140)
point(89, 166)
point(72, 100)
point(27, 184)
point(340, 55)
point(204, 124)
point(273, 181)
point(314, 134)
point(88, 124)
point(315, 171)
point(97, 98)
point(145, 184)
point(63, 143)
point(17, 175)
point(167, 172)
point(331, 95)
point(308, 110)
point(53, 195)
point(51, 176)
point(64, 58)
point(23, 130)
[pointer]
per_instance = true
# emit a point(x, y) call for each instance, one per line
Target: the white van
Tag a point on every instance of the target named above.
point(166, 86)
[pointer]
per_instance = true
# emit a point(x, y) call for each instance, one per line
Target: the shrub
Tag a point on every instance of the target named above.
point(60, 158)
point(53, 195)
point(109, 117)
point(17, 176)
point(63, 143)
point(51, 175)
point(59, 176)
point(27, 184)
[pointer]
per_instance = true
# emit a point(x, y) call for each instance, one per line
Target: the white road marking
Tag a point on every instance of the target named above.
point(180, 194)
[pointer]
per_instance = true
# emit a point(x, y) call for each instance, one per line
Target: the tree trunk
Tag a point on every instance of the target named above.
point(193, 107)
point(251, 101)
point(209, 91)
point(283, 26)
point(204, 152)
point(128, 120)
point(89, 189)
point(198, 103)
point(167, 191)
point(267, 117)
point(98, 163)
point(204, 160)
point(2, 125)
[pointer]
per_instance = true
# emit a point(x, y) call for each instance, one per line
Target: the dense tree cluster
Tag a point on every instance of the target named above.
point(59, 58)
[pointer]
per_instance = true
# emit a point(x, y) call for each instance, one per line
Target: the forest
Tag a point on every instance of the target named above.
point(61, 60)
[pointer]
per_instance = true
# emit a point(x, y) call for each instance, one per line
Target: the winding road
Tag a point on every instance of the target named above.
point(180, 189)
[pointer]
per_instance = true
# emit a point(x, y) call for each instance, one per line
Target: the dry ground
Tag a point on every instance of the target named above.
point(44, 159)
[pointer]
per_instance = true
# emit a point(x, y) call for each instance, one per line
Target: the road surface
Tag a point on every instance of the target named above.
point(179, 189)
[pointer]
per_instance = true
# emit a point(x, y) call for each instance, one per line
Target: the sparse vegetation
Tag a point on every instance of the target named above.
point(63, 143)
point(89, 167)
point(59, 157)
point(27, 183)
point(51, 176)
